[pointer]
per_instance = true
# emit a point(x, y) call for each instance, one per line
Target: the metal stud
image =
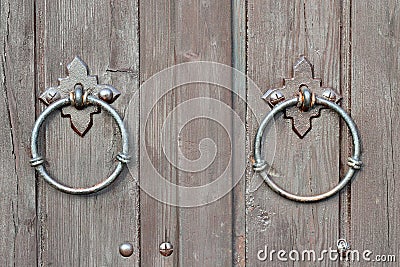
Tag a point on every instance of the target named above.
point(306, 98)
point(106, 95)
point(51, 95)
point(166, 249)
point(276, 97)
point(126, 249)
point(329, 95)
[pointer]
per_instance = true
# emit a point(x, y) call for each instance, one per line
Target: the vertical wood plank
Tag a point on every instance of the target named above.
point(87, 230)
point(375, 96)
point(278, 32)
point(204, 33)
point(345, 136)
point(17, 109)
point(239, 42)
point(171, 33)
point(159, 222)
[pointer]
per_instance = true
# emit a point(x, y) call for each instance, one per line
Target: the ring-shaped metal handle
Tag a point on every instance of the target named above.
point(353, 162)
point(37, 161)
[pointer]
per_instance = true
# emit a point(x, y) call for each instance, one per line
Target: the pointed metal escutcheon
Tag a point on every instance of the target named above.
point(303, 75)
point(78, 74)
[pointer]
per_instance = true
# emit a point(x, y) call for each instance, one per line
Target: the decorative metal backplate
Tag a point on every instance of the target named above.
point(78, 74)
point(303, 76)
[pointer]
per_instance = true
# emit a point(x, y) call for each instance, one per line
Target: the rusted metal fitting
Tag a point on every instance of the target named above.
point(166, 249)
point(76, 97)
point(306, 98)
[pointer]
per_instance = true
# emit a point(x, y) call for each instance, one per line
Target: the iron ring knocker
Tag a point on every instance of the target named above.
point(308, 99)
point(97, 96)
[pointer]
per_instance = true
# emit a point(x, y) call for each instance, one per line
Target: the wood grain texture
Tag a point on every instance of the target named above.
point(177, 32)
point(354, 46)
point(345, 136)
point(17, 109)
point(239, 23)
point(374, 106)
point(87, 230)
point(278, 32)
point(204, 30)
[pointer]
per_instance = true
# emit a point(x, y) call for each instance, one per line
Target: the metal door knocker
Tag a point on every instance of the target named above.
point(79, 96)
point(310, 98)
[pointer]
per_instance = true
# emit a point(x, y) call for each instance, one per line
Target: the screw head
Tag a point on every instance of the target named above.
point(276, 97)
point(52, 95)
point(126, 249)
point(166, 249)
point(329, 95)
point(106, 95)
point(342, 245)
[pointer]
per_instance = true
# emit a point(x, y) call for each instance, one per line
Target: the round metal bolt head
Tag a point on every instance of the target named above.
point(276, 97)
point(166, 249)
point(329, 95)
point(126, 249)
point(106, 95)
point(342, 245)
point(52, 95)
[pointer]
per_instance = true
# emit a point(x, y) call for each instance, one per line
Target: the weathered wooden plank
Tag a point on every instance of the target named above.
point(345, 137)
point(158, 221)
point(79, 230)
point(17, 109)
point(375, 109)
point(178, 32)
point(239, 34)
point(278, 32)
point(204, 33)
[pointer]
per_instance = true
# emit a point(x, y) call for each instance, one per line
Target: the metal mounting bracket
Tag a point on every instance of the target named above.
point(80, 82)
point(305, 86)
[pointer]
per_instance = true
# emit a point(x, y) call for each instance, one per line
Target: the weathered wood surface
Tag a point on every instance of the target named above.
point(239, 45)
point(278, 33)
point(375, 95)
point(354, 47)
point(79, 230)
point(345, 137)
point(17, 109)
point(172, 33)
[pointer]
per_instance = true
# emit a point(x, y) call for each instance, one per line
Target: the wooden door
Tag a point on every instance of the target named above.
point(354, 47)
